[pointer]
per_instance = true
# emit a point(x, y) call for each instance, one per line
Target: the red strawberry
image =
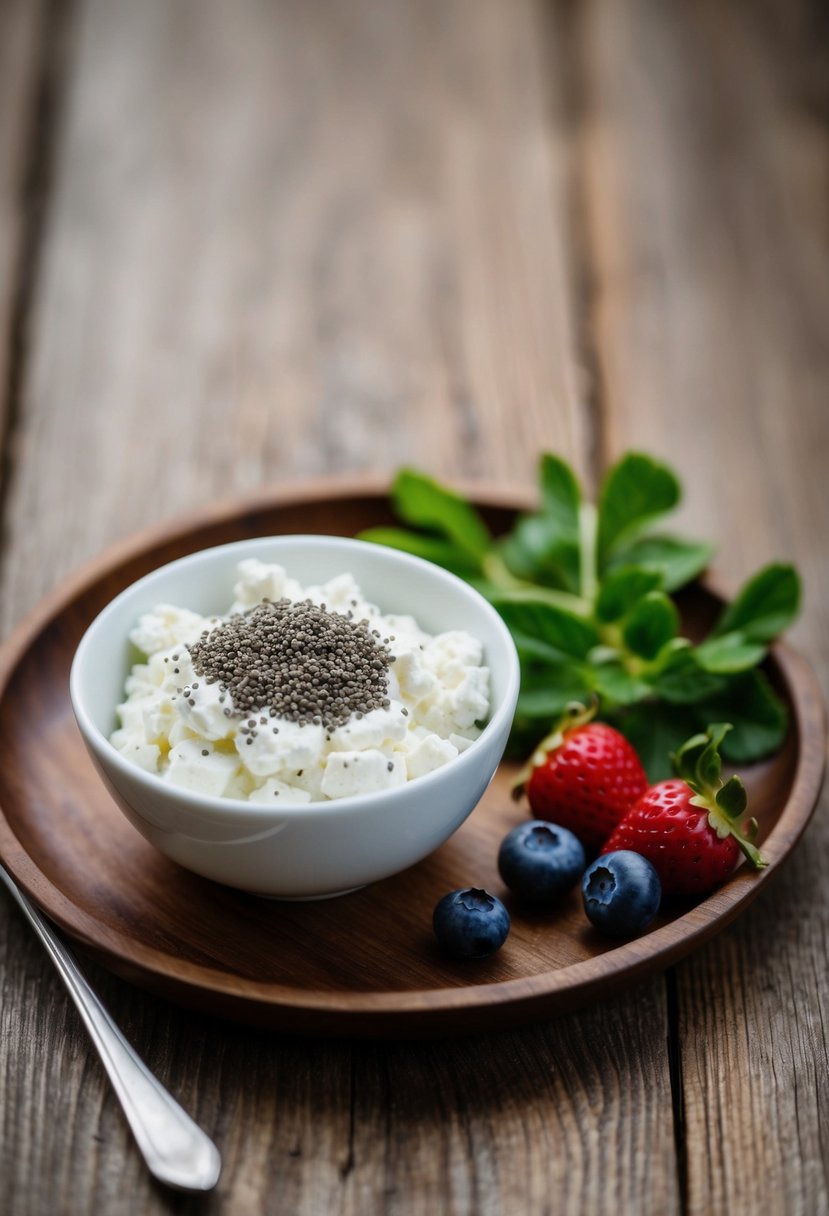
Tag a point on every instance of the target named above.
point(688, 827)
point(585, 777)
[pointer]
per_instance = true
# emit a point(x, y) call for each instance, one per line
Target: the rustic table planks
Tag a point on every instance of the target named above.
point(709, 216)
point(21, 103)
point(247, 243)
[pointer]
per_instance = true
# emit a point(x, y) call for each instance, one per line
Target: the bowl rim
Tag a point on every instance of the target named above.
point(213, 806)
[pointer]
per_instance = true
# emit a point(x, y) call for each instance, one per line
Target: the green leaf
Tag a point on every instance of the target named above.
point(531, 616)
point(678, 561)
point(536, 550)
point(422, 501)
point(656, 731)
point(681, 680)
point(544, 547)
point(488, 589)
point(637, 490)
point(732, 798)
point(560, 493)
point(613, 683)
point(758, 717)
point(546, 690)
point(729, 653)
point(432, 548)
point(622, 589)
point(766, 605)
point(540, 703)
point(651, 625)
point(533, 649)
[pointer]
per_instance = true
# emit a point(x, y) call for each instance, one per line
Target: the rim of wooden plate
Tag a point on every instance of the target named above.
point(447, 1009)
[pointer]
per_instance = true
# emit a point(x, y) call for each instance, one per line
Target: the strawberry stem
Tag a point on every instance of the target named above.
point(699, 765)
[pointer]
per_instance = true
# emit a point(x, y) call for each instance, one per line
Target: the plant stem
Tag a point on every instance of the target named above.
point(496, 572)
point(588, 531)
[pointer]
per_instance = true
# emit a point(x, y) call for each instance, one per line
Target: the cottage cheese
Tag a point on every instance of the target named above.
point(438, 693)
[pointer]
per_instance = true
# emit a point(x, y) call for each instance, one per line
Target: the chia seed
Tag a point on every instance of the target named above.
point(295, 661)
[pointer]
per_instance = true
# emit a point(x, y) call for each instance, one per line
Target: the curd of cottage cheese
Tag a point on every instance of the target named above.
point(186, 729)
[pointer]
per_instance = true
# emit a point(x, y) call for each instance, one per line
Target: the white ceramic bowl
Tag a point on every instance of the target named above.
point(319, 849)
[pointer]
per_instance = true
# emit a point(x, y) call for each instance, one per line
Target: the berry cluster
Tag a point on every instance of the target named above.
point(588, 791)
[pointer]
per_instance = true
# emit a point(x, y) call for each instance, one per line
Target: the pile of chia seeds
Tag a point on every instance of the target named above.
point(295, 661)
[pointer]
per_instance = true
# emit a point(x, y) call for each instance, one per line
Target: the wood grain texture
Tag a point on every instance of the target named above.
point(706, 183)
point(706, 155)
point(515, 1123)
point(289, 239)
point(21, 41)
point(285, 239)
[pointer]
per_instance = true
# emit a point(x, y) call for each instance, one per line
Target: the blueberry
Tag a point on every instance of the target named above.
point(540, 862)
point(622, 893)
point(470, 923)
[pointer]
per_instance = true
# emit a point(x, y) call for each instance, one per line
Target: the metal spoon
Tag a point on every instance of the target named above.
point(176, 1150)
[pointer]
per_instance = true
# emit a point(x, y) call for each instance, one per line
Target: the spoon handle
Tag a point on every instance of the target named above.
point(176, 1150)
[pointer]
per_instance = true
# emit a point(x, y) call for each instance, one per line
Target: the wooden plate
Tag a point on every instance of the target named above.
point(364, 964)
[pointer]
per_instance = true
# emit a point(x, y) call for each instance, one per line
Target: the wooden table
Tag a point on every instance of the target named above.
point(244, 243)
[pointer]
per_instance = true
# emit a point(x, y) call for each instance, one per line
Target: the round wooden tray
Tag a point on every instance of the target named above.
point(364, 964)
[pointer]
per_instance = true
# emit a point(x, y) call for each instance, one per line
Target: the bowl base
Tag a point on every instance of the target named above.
point(304, 899)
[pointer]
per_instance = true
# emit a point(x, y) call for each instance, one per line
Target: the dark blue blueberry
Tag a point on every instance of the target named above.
point(540, 862)
point(622, 893)
point(470, 923)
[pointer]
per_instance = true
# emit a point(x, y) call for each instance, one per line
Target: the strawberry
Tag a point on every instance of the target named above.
point(689, 827)
point(585, 777)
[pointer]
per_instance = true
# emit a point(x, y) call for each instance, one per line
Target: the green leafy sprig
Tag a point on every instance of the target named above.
point(587, 593)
